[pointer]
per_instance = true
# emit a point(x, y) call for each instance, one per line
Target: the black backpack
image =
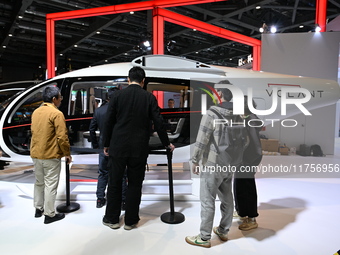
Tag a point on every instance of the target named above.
point(232, 141)
point(304, 150)
point(316, 151)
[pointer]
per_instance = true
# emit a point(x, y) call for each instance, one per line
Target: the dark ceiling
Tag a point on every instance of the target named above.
point(118, 38)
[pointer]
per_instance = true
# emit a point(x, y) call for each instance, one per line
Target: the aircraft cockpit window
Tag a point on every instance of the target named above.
point(12, 89)
point(6, 94)
point(25, 109)
point(18, 136)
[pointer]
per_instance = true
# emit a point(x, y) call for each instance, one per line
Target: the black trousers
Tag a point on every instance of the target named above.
point(245, 195)
point(135, 167)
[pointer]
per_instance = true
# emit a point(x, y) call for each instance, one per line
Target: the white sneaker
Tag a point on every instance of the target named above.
point(223, 237)
point(196, 240)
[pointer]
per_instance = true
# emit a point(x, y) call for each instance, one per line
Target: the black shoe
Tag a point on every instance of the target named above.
point(38, 213)
point(58, 216)
point(101, 202)
point(110, 224)
point(123, 206)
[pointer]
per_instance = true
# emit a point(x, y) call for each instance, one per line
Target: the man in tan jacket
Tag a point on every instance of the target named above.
point(48, 145)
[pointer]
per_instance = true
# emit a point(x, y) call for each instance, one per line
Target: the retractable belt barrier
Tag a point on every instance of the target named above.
point(171, 217)
point(68, 206)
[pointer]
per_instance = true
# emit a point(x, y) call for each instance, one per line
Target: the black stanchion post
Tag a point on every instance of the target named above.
point(171, 217)
point(68, 206)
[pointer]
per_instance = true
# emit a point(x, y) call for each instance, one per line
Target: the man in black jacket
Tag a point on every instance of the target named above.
point(98, 122)
point(126, 141)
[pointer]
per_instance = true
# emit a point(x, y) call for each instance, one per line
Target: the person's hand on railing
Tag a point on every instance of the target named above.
point(171, 147)
point(68, 159)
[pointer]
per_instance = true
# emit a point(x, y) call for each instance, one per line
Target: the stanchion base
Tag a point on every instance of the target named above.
point(64, 208)
point(172, 218)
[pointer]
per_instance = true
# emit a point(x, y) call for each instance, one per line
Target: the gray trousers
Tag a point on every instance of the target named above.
point(210, 185)
point(47, 173)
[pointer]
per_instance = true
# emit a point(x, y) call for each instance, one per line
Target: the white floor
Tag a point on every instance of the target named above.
point(297, 216)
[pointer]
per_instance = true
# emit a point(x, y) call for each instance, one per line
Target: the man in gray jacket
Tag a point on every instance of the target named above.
point(212, 182)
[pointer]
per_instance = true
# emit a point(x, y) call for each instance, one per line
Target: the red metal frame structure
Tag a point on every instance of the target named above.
point(157, 32)
point(321, 14)
point(50, 47)
point(138, 6)
point(158, 24)
point(159, 16)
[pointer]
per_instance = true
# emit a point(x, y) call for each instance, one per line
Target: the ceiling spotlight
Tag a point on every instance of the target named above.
point(20, 17)
point(301, 26)
point(258, 7)
point(273, 29)
point(4, 46)
point(10, 35)
point(61, 54)
point(98, 32)
point(146, 44)
point(194, 29)
point(317, 28)
point(132, 12)
point(264, 28)
point(106, 60)
point(75, 46)
point(170, 45)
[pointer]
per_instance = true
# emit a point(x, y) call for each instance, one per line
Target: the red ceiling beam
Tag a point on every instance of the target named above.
point(321, 14)
point(179, 19)
point(114, 9)
point(206, 28)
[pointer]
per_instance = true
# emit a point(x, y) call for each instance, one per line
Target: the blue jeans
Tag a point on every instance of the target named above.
point(103, 178)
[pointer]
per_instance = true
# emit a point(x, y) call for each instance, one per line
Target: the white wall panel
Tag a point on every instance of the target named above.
point(306, 54)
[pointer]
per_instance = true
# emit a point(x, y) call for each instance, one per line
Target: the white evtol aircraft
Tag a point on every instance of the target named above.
point(189, 82)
